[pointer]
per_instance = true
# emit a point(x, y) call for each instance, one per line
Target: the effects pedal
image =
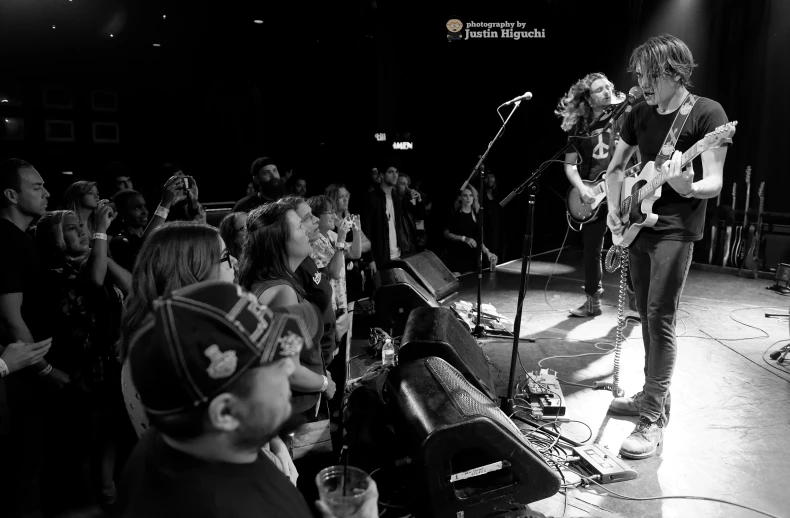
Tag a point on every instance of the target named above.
point(595, 460)
point(545, 394)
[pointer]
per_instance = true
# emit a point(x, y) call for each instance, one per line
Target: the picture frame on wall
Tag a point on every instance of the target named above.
point(104, 101)
point(58, 98)
point(58, 131)
point(10, 95)
point(106, 132)
point(12, 129)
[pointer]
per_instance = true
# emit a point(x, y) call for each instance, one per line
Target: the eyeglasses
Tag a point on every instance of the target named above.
point(232, 261)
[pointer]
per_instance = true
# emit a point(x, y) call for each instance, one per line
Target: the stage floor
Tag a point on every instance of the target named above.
point(729, 431)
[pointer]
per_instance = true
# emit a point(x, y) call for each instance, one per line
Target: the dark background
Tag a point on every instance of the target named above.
point(315, 82)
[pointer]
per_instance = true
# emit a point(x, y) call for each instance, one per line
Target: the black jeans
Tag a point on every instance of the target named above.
point(592, 236)
point(658, 270)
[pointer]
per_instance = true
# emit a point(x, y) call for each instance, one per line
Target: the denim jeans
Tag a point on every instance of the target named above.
point(592, 237)
point(658, 270)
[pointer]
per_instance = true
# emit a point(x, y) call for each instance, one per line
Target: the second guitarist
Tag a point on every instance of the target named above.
point(582, 112)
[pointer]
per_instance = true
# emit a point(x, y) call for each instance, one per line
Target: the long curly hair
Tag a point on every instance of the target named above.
point(574, 107)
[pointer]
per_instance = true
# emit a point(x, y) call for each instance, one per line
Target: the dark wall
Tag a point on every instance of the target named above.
point(314, 83)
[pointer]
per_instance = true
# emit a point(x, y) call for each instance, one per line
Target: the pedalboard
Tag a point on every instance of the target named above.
point(595, 460)
point(545, 394)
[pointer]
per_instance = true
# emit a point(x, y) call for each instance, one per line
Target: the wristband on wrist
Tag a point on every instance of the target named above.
point(162, 212)
point(3, 369)
point(325, 385)
point(100, 235)
point(45, 371)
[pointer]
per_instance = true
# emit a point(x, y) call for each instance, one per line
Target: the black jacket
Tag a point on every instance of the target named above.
point(376, 227)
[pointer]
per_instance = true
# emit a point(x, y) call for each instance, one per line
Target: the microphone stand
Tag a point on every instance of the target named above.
point(479, 331)
point(526, 258)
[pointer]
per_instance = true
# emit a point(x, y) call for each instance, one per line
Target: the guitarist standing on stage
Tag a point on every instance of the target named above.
point(581, 110)
point(660, 256)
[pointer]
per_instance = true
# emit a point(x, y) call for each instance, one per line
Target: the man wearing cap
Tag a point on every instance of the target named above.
point(267, 181)
point(211, 366)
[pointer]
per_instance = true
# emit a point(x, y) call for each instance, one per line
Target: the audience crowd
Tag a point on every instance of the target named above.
point(164, 361)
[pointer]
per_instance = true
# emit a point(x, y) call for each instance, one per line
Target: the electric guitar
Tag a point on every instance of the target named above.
point(643, 190)
point(579, 210)
point(738, 246)
point(752, 260)
point(727, 236)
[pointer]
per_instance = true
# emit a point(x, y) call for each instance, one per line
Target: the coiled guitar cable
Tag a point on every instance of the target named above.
point(617, 257)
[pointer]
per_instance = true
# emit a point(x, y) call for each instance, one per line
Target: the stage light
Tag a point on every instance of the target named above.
point(111, 35)
point(53, 26)
point(6, 120)
point(69, 173)
point(164, 17)
point(157, 45)
point(4, 101)
point(258, 21)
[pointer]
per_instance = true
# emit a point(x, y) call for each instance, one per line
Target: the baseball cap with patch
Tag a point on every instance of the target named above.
point(199, 340)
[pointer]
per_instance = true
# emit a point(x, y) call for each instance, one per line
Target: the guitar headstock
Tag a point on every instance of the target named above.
point(716, 137)
point(748, 173)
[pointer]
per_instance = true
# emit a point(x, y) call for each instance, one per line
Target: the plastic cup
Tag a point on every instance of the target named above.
point(343, 497)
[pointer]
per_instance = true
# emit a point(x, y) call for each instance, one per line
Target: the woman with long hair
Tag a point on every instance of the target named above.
point(359, 242)
point(88, 289)
point(233, 229)
point(462, 232)
point(82, 198)
point(277, 244)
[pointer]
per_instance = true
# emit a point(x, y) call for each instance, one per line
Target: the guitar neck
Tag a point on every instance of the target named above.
point(661, 178)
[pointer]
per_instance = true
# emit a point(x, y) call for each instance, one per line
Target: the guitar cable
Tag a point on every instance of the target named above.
point(617, 257)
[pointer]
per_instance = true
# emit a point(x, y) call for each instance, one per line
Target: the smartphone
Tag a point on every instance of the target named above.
point(186, 183)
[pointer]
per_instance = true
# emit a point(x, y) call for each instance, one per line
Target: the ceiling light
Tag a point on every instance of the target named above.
point(258, 21)
point(53, 26)
point(111, 35)
point(4, 101)
point(6, 120)
point(164, 17)
point(68, 172)
point(157, 45)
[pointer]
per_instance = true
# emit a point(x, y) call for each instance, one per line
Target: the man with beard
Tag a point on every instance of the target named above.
point(133, 218)
point(211, 366)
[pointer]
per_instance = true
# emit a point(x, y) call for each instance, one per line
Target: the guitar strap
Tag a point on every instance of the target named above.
point(674, 132)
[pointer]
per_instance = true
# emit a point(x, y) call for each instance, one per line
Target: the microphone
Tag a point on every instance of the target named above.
point(633, 94)
point(526, 97)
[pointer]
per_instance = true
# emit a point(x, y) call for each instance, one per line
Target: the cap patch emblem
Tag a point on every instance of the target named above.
point(223, 364)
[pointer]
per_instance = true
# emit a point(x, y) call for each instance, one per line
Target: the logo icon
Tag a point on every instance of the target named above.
point(454, 27)
point(223, 364)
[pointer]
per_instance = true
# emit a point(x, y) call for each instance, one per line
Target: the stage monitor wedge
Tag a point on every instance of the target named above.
point(474, 461)
point(430, 272)
point(437, 332)
point(397, 296)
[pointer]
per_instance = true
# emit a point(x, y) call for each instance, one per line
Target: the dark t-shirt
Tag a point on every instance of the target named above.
point(271, 191)
point(319, 292)
point(21, 272)
point(594, 150)
point(159, 481)
point(679, 219)
point(460, 256)
point(124, 249)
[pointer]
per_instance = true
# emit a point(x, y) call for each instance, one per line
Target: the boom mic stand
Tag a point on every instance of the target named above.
point(479, 331)
point(526, 258)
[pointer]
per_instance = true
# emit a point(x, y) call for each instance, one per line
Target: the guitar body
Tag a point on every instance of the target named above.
point(751, 260)
point(737, 236)
point(641, 214)
point(579, 210)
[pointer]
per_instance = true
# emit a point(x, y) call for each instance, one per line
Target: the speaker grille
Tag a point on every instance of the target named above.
point(467, 399)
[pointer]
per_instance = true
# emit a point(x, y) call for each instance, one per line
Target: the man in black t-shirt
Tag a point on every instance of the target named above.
point(585, 115)
point(268, 183)
point(24, 316)
point(660, 256)
point(212, 366)
point(133, 214)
